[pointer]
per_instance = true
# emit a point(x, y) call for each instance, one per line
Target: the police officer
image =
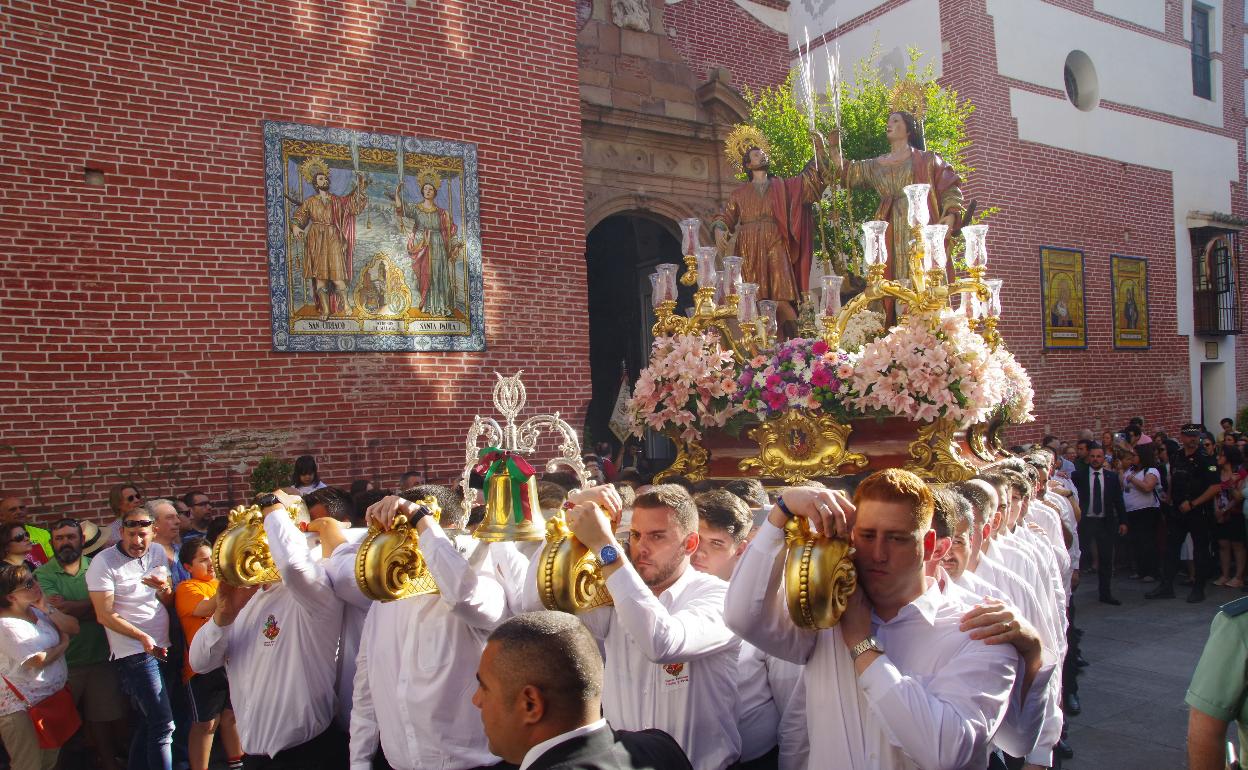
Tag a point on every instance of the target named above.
point(1194, 482)
point(1218, 689)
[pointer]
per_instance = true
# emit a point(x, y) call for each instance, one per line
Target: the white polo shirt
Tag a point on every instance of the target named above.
point(117, 572)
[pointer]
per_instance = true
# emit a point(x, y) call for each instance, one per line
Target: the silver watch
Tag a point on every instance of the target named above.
point(870, 643)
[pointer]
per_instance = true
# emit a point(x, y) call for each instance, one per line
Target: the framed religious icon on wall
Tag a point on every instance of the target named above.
point(1061, 288)
point(374, 241)
point(1129, 278)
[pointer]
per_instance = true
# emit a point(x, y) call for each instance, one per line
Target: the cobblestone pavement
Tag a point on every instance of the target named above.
point(1142, 656)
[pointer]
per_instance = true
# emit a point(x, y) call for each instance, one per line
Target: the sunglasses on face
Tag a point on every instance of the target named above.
point(132, 498)
point(20, 538)
point(30, 583)
point(136, 523)
point(198, 503)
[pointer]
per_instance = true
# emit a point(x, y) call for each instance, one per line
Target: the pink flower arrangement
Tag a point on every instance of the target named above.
point(1020, 397)
point(688, 386)
point(930, 366)
point(800, 374)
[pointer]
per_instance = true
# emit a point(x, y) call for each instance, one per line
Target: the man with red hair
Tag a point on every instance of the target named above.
point(897, 682)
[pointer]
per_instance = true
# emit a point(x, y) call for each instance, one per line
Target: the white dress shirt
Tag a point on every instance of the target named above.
point(793, 736)
point(766, 686)
point(1033, 722)
point(671, 663)
point(933, 700)
point(535, 753)
point(280, 653)
point(417, 666)
point(340, 566)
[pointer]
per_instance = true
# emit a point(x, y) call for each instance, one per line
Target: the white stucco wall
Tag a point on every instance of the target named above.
point(915, 24)
point(1034, 38)
point(1146, 13)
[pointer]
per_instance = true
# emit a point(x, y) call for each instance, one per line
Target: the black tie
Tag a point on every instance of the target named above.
point(1096, 493)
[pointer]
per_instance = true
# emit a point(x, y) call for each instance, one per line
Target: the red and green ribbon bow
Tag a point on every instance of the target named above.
point(493, 460)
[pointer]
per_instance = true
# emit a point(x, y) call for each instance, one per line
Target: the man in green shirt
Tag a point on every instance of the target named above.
point(92, 680)
point(1218, 694)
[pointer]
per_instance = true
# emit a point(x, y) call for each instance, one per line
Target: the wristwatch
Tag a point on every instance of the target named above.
point(267, 501)
point(609, 554)
point(870, 643)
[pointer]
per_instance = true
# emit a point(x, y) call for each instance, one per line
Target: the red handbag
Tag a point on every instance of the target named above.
point(55, 717)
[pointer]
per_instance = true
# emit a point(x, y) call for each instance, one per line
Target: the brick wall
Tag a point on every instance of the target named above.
point(1065, 199)
point(719, 33)
point(135, 340)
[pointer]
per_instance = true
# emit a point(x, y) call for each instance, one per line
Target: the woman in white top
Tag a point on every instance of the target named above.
point(1140, 489)
point(33, 638)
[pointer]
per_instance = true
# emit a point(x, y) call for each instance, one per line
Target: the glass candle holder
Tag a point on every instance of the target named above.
point(767, 313)
point(689, 235)
point(831, 288)
point(732, 275)
point(994, 297)
point(667, 273)
point(747, 303)
point(656, 289)
point(970, 306)
point(976, 250)
point(706, 266)
point(918, 214)
point(873, 245)
point(934, 256)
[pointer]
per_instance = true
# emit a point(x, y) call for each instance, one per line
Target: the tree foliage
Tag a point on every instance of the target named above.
point(864, 108)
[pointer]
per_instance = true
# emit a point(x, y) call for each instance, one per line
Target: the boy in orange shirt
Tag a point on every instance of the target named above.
point(196, 599)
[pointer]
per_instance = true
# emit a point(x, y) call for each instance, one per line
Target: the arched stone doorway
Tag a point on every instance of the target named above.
point(620, 253)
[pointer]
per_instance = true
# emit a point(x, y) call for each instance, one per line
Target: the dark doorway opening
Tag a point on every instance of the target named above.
point(620, 253)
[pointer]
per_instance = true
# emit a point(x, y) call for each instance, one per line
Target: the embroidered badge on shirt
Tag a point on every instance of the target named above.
point(271, 629)
point(676, 676)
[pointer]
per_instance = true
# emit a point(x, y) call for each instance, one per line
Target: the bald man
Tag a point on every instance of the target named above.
point(539, 689)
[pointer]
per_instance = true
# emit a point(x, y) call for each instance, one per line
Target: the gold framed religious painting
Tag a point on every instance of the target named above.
point(374, 241)
point(1129, 278)
point(1061, 287)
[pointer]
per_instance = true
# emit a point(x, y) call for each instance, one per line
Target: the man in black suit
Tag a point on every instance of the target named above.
point(1100, 498)
point(539, 688)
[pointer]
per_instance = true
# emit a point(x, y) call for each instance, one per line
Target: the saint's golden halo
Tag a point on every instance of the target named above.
point(429, 176)
point(908, 96)
point(313, 166)
point(742, 138)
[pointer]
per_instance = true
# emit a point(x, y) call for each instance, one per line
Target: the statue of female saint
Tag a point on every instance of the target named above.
point(907, 162)
point(432, 247)
point(771, 221)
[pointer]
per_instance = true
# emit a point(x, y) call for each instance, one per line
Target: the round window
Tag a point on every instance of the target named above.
point(1081, 83)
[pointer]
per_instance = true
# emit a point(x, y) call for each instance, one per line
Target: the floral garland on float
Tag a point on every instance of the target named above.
point(930, 393)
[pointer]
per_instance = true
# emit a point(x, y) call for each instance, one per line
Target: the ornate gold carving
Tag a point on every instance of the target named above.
point(241, 556)
point(389, 564)
point(798, 445)
point(819, 576)
point(977, 440)
point(690, 460)
point(996, 430)
point(934, 455)
point(742, 138)
point(569, 578)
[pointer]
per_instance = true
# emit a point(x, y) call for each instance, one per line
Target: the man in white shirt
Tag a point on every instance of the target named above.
point(766, 683)
point(896, 683)
point(279, 646)
point(671, 660)
point(539, 689)
point(129, 586)
point(417, 655)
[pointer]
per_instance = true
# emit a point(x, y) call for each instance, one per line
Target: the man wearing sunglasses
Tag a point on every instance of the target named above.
point(201, 512)
point(13, 511)
point(122, 498)
point(129, 588)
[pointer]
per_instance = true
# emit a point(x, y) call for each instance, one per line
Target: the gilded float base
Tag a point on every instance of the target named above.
point(799, 445)
point(934, 455)
point(690, 461)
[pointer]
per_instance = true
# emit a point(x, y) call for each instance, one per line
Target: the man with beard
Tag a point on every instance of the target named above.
point(769, 218)
point(326, 223)
point(671, 660)
point(896, 683)
point(92, 681)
